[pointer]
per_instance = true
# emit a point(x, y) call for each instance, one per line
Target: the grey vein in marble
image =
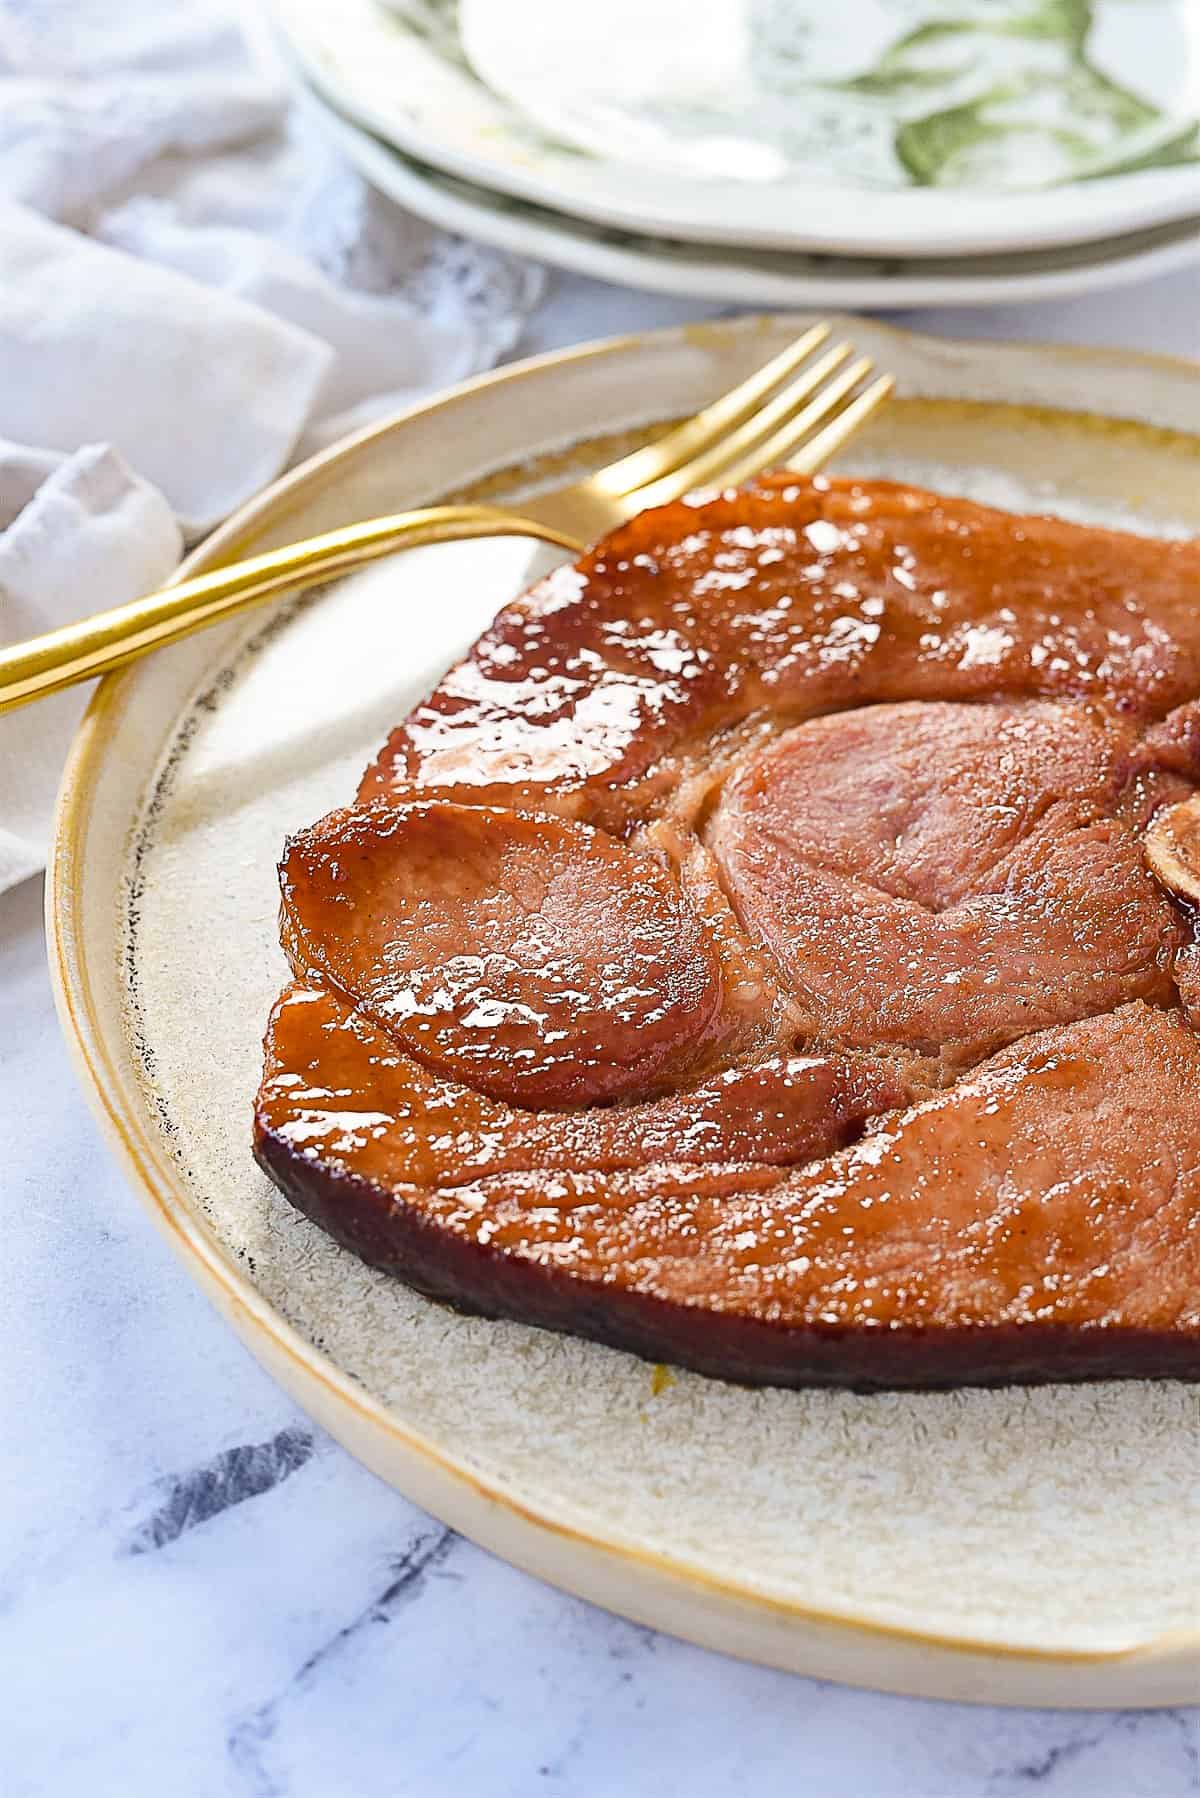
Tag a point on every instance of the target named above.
point(230, 1478)
point(1094, 1734)
point(251, 1734)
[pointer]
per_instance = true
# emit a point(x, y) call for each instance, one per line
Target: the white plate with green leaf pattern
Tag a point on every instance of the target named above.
point(867, 127)
point(757, 277)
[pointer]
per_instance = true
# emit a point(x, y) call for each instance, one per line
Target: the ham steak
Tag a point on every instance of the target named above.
point(748, 956)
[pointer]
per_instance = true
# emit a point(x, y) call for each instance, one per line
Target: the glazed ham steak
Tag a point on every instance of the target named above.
point(772, 950)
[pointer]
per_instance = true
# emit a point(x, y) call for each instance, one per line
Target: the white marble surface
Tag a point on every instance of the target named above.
point(200, 1595)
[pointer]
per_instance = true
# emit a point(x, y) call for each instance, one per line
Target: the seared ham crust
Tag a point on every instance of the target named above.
point(749, 956)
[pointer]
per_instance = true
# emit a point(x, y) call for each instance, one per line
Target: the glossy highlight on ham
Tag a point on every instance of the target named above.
point(748, 955)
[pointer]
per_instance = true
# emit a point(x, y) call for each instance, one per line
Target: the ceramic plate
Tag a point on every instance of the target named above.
point(881, 95)
point(1033, 1546)
point(1088, 105)
point(757, 277)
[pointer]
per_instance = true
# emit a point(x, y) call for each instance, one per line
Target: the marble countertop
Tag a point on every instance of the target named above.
point(202, 1595)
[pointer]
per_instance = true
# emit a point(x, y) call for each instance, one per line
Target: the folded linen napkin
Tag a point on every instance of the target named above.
point(195, 290)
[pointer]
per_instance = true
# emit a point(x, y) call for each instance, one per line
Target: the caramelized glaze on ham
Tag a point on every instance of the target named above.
point(1040, 1220)
point(537, 960)
point(747, 955)
point(783, 602)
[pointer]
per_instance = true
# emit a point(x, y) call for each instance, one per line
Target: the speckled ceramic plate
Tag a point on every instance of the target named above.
point(867, 127)
point(758, 277)
point(1023, 1546)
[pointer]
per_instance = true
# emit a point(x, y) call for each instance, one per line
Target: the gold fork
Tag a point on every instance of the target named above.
point(795, 412)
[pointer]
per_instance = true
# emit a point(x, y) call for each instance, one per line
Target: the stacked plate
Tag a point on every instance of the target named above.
point(783, 152)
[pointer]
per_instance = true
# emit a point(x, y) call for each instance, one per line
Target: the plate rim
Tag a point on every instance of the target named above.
point(479, 1507)
point(559, 238)
point(530, 174)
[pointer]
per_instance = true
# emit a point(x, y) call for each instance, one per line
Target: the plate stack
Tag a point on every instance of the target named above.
point(827, 153)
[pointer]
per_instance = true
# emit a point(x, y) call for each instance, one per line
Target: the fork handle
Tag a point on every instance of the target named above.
point(108, 640)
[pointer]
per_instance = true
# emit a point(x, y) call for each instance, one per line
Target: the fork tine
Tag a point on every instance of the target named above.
point(771, 451)
point(817, 450)
point(638, 470)
point(709, 466)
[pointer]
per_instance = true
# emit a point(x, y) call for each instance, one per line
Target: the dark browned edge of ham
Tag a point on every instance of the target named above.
point(389, 1234)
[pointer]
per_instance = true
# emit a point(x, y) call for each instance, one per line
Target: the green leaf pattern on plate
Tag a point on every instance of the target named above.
point(435, 22)
point(967, 93)
point(1024, 102)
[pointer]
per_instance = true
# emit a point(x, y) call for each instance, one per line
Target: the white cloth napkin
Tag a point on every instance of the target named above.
point(195, 290)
